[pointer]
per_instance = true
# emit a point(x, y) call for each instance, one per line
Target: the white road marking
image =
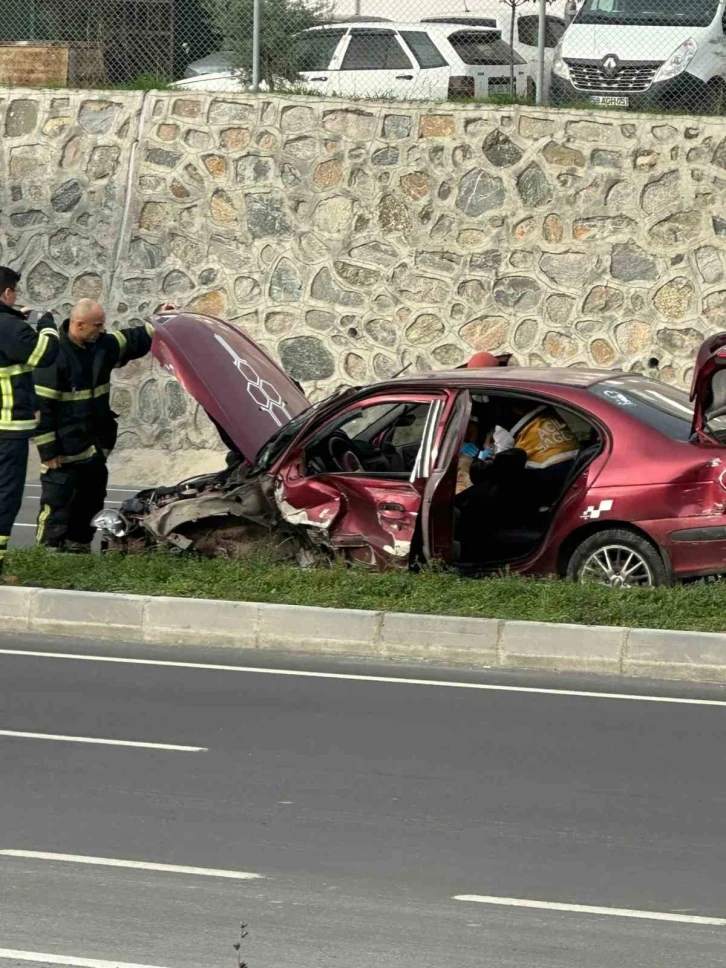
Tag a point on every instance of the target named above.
point(135, 864)
point(45, 959)
point(111, 490)
point(104, 742)
point(588, 909)
point(19, 524)
point(444, 683)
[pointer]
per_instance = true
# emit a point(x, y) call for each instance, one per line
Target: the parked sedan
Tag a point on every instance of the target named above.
point(370, 474)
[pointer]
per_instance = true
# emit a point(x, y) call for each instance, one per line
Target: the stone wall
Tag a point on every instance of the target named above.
point(353, 239)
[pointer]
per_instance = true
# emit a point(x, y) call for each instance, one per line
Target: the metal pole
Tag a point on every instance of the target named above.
point(256, 45)
point(541, 36)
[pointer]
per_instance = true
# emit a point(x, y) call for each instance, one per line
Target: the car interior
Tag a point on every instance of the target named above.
point(506, 511)
point(382, 439)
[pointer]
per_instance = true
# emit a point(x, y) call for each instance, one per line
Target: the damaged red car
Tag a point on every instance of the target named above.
point(637, 497)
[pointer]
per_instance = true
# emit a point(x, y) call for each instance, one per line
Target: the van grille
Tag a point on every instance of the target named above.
point(589, 75)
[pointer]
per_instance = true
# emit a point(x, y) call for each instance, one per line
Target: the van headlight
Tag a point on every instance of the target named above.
point(112, 523)
point(559, 67)
point(678, 61)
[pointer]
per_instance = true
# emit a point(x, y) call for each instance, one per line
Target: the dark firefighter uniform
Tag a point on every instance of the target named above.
point(21, 349)
point(78, 426)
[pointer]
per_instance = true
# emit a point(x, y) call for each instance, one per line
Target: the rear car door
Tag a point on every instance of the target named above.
point(319, 58)
point(432, 80)
point(375, 64)
point(354, 493)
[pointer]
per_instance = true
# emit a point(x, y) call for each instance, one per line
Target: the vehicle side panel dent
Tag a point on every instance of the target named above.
point(319, 515)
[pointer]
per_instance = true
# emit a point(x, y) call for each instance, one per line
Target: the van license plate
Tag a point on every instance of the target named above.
point(615, 102)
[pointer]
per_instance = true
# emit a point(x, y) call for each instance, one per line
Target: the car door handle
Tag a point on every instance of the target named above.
point(404, 77)
point(318, 78)
point(391, 510)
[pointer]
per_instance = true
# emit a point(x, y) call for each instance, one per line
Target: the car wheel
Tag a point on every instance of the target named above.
point(619, 559)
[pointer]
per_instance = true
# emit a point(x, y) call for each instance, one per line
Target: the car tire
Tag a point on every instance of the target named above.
point(618, 558)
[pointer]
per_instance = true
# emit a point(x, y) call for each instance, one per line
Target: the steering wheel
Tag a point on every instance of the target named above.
point(342, 455)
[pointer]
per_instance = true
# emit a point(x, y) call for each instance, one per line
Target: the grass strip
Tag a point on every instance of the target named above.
point(696, 607)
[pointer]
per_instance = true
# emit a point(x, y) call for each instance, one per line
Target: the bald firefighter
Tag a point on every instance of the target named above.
point(78, 429)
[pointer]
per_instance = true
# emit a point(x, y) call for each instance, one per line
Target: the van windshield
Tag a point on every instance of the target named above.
point(662, 13)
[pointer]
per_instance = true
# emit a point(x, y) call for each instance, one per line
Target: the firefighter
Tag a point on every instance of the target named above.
point(21, 349)
point(78, 429)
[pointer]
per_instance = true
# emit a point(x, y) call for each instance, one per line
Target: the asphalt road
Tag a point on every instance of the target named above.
point(23, 535)
point(365, 807)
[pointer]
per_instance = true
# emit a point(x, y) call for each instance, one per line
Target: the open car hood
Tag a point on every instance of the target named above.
point(239, 386)
point(708, 388)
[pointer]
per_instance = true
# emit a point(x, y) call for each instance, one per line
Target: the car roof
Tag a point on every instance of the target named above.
point(552, 376)
point(404, 25)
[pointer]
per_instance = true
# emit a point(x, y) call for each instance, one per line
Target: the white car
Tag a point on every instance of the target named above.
point(416, 61)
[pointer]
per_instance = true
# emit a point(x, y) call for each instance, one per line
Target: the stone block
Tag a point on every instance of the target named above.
point(441, 638)
point(15, 605)
point(187, 621)
point(678, 655)
point(561, 647)
point(87, 613)
point(318, 629)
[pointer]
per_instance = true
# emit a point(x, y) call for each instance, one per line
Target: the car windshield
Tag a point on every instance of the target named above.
point(274, 447)
point(659, 405)
point(675, 13)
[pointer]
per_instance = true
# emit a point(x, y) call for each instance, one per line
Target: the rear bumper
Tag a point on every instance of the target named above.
point(685, 89)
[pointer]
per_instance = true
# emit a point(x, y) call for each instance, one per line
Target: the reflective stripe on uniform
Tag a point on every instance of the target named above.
point(42, 518)
point(122, 344)
point(6, 392)
point(45, 438)
point(15, 370)
point(48, 392)
point(73, 458)
point(41, 346)
point(18, 424)
point(71, 396)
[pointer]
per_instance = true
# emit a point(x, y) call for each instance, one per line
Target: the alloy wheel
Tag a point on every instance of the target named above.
point(618, 567)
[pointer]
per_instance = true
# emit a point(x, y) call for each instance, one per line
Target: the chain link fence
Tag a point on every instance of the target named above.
point(651, 55)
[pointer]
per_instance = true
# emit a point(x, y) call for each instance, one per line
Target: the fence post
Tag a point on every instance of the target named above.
point(541, 37)
point(256, 45)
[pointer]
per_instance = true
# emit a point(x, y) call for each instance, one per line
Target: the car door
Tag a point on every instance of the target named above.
point(708, 388)
point(372, 516)
point(319, 58)
point(374, 63)
point(425, 49)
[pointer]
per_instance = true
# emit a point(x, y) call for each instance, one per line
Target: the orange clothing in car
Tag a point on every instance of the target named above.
point(545, 437)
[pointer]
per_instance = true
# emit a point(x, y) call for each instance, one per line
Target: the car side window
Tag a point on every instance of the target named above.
point(374, 50)
point(379, 439)
point(424, 49)
point(316, 49)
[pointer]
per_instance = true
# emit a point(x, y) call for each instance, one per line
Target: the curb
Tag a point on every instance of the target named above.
point(436, 639)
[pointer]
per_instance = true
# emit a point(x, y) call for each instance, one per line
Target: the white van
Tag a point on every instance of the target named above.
point(644, 54)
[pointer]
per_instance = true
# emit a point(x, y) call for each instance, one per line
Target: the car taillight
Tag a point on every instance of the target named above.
point(460, 87)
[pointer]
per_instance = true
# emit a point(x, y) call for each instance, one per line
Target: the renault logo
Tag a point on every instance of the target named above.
point(610, 65)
